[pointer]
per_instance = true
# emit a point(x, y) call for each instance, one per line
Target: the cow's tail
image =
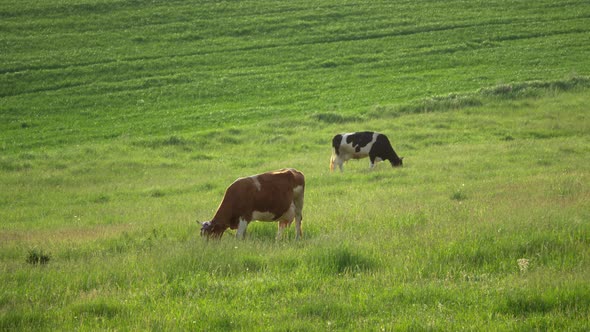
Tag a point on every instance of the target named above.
point(335, 147)
point(332, 159)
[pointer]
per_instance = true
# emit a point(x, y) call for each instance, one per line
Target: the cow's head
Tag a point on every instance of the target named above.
point(209, 230)
point(398, 163)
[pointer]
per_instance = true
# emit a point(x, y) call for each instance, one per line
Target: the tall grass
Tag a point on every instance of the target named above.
point(436, 244)
point(122, 123)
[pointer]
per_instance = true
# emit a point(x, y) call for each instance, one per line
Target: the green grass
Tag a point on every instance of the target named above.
point(78, 71)
point(122, 123)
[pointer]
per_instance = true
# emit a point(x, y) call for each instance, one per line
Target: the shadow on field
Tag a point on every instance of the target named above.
point(341, 259)
point(261, 252)
point(267, 232)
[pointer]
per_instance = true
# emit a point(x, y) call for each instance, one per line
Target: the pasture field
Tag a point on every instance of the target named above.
point(122, 123)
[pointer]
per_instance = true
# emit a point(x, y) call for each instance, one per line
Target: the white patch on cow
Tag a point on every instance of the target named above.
point(242, 228)
point(286, 219)
point(377, 160)
point(256, 182)
point(289, 214)
point(262, 216)
point(298, 190)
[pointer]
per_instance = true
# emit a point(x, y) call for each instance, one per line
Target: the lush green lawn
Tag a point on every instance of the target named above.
point(122, 123)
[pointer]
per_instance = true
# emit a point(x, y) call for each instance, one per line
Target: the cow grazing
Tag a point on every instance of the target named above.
point(364, 144)
point(272, 196)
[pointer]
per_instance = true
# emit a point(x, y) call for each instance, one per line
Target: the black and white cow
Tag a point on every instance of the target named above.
point(364, 144)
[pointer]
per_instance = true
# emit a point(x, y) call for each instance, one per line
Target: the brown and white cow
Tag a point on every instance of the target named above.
point(272, 196)
point(359, 145)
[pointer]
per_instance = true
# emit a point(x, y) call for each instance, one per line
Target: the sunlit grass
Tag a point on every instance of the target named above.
point(122, 123)
point(429, 239)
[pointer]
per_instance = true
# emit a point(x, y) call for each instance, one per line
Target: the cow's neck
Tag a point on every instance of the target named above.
point(222, 218)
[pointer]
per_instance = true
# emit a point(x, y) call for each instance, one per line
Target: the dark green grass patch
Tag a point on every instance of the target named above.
point(98, 308)
point(340, 260)
point(19, 320)
point(335, 118)
point(173, 141)
point(38, 257)
point(536, 88)
point(455, 101)
point(572, 299)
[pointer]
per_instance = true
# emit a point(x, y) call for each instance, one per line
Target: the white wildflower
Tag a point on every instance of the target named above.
point(523, 264)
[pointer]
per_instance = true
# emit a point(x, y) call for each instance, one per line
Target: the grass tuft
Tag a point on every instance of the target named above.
point(20, 321)
point(97, 308)
point(535, 88)
point(459, 195)
point(341, 260)
point(173, 141)
point(334, 118)
point(457, 101)
point(38, 257)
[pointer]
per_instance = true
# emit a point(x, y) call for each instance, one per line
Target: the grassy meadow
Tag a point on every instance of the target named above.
point(122, 123)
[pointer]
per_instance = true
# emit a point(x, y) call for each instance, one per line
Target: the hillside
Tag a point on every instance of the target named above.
point(123, 122)
point(77, 71)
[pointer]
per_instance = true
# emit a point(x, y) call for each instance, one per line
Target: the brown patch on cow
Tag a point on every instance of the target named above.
point(271, 192)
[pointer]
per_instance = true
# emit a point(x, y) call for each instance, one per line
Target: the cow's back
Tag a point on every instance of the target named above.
point(298, 178)
point(357, 145)
point(275, 191)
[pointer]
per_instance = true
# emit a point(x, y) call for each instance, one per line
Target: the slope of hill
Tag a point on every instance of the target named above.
point(90, 70)
point(121, 122)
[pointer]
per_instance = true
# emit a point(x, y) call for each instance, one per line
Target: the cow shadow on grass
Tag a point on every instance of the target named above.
point(267, 231)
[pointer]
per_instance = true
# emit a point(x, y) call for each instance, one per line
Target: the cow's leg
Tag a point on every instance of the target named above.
point(373, 161)
point(298, 206)
point(339, 161)
point(241, 234)
point(298, 219)
point(282, 225)
point(287, 218)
